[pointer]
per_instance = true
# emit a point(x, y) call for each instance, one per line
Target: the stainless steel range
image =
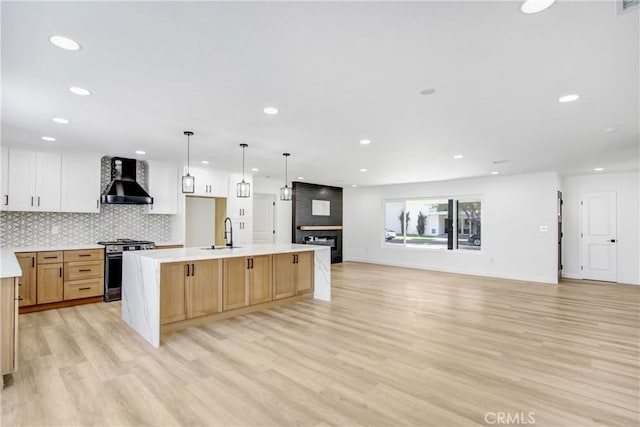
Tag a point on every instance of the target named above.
point(113, 264)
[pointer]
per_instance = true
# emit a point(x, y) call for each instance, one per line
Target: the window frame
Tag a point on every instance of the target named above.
point(453, 217)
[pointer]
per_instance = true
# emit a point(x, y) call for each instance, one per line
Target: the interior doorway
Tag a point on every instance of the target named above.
point(599, 236)
point(264, 226)
point(204, 221)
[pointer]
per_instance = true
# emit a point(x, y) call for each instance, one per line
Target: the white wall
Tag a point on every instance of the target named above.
point(626, 185)
point(283, 209)
point(513, 247)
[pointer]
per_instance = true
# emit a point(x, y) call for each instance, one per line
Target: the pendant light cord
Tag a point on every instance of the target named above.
point(188, 153)
point(286, 170)
point(243, 164)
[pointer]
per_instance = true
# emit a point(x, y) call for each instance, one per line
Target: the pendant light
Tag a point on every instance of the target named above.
point(188, 181)
point(285, 192)
point(243, 188)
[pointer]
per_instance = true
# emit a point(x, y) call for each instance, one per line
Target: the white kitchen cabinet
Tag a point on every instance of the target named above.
point(209, 183)
point(80, 184)
point(240, 210)
point(34, 181)
point(4, 179)
point(163, 186)
point(239, 207)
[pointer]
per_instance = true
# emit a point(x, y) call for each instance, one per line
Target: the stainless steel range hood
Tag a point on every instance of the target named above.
point(123, 188)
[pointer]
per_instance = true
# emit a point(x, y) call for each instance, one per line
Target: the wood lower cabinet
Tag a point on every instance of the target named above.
point(49, 283)
point(259, 279)
point(27, 282)
point(204, 288)
point(303, 269)
point(8, 326)
point(190, 289)
point(247, 281)
point(235, 290)
point(292, 274)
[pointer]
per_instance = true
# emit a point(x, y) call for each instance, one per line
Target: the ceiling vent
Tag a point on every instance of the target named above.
point(627, 5)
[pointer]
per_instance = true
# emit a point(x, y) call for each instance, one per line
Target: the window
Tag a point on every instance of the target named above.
point(431, 223)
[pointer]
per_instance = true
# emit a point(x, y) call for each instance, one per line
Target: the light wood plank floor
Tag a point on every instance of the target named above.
point(395, 347)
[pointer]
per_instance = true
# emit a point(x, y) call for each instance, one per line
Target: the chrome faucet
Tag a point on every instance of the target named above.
point(228, 235)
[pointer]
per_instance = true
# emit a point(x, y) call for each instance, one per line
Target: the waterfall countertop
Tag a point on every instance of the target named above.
point(203, 253)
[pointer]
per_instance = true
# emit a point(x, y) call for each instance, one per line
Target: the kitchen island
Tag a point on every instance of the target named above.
point(173, 288)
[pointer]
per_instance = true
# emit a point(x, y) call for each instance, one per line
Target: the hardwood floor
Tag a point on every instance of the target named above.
point(395, 347)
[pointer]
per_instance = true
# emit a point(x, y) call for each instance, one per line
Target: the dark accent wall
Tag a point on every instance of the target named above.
point(303, 194)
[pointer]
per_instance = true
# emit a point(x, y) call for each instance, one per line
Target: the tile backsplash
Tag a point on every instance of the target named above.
point(60, 228)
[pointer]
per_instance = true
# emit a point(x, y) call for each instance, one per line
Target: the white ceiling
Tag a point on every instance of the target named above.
point(338, 72)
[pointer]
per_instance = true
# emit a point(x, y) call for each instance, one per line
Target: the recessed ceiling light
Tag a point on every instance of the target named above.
point(354, 185)
point(495, 173)
point(365, 141)
point(271, 111)
point(598, 169)
point(535, 6)
point(255, 169)
point(60, 120)
point(429, 91)
point(364, 170)
point(64, 43)
point(48, 138)
point(301, 177)
point(205, 162)
point(569, 98)
point(458, 156)
point(140, 152)
point(609, 130)
point(79, 91)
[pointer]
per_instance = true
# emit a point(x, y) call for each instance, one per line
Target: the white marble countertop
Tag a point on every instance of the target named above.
point(198, 253)
point(9, 266)
point(47, 248)
point(169, 243)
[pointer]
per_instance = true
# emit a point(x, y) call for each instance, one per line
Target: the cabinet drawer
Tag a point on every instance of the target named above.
point(83, 289)
point(83, 270)
point(84, 255)
point(49, 257)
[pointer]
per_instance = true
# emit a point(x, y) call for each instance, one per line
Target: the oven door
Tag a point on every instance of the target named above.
point(112, 277)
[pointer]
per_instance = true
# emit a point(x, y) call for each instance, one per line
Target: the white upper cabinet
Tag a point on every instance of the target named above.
point(80, 184)
point(4, 179)
point(34, 181)
point(209, 183)
point(239, 207)
point(163, 179)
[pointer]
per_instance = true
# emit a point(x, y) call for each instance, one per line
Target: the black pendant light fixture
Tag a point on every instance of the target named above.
point(285, 192)
point(188, 181)
point(243, 188)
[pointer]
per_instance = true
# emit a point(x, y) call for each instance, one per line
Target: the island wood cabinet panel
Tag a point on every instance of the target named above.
point(190, 289)
point(303, 272)
point(49, 283)
point(235, 290)
point(27, 282)
point(8, 326)
point(292, 274)
point(259, 278)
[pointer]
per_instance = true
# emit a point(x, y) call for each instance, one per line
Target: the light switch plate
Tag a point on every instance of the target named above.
point(544, 228)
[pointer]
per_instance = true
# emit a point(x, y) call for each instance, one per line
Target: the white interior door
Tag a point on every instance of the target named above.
point(200, 218)
point(263, 218)
point(599, 236)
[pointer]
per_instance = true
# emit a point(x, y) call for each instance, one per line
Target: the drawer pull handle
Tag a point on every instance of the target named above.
point(84, 270)
point(51, 257)
point(83, 289)
point(84, 255)
point(19, 298)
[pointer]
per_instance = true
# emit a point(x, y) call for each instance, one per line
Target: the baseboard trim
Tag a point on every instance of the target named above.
point(59, 304)
point(524, 278)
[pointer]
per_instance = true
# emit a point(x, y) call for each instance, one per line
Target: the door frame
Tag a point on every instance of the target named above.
point(272, 197)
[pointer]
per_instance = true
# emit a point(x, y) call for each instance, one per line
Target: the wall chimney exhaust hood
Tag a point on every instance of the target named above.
point(124, 189)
